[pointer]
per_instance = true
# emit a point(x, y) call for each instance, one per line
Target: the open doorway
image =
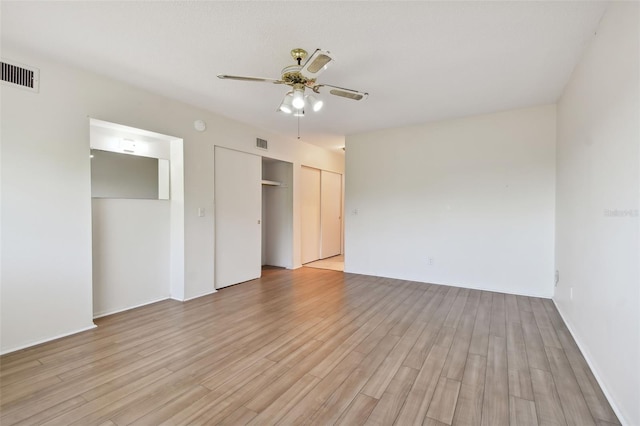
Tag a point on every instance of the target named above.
point(277, 213)
point(321, 219)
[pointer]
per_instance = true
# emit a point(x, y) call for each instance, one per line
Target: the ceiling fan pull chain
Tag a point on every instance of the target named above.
point(298, 127)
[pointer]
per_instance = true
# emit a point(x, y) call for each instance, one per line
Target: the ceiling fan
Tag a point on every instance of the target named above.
point(300, 77)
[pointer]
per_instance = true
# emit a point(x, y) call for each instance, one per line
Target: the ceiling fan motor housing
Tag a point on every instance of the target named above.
point(291, 75)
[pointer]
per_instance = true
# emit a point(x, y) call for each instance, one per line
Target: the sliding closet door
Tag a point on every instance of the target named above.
point(310, 214)
point(330, 214)
point(238, 211)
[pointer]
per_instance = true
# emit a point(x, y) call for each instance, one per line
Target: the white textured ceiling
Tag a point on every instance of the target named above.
point(420, 61)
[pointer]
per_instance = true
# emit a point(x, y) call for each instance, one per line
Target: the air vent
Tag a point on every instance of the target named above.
point(19, 75)
point(262, 144)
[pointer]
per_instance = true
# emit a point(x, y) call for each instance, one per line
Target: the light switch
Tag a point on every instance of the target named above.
point(200, 211)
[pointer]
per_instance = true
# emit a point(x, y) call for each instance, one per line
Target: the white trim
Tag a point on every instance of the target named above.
point(104, 314)
point(591, 365)
point(200, 295)
point(48, 339)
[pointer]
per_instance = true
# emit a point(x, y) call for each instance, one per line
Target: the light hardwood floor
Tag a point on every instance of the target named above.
point(313, 346)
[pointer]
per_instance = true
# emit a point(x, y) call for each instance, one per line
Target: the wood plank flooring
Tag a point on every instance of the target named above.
point(312, 346)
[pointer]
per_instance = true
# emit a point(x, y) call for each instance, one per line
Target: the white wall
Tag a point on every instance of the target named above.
point(476, 195)
point(597, 248)
point(177, 243)
point(46, 204)
point(130, 253)
point(46, 211)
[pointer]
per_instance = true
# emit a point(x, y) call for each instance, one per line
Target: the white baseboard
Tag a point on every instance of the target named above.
point(116, 311)
point(200, 295)
point(48, 339)
point(591, 365)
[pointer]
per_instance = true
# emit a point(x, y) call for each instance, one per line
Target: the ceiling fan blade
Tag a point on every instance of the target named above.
point(243, 78)
point(342, 92)
point(317, 63)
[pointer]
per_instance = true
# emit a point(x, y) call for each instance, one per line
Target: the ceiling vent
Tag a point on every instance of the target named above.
point(19, 75)
point(262, 144)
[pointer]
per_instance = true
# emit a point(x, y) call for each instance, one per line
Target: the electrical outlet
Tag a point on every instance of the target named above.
point(570, 293)
point(430, 261)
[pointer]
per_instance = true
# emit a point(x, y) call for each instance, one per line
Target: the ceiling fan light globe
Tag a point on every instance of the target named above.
point(316, 104)
point(298, 98)
point(286, 104)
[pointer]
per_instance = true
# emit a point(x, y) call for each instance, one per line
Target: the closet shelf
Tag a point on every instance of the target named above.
point(271, 182)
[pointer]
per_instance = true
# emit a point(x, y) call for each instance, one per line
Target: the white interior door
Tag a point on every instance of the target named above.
point(330, 214)
point(310, 210)
point(238, 211)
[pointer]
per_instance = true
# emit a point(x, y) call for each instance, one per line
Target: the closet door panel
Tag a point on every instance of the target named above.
point(330, 214)
point(238, 213)
point(310, 214)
